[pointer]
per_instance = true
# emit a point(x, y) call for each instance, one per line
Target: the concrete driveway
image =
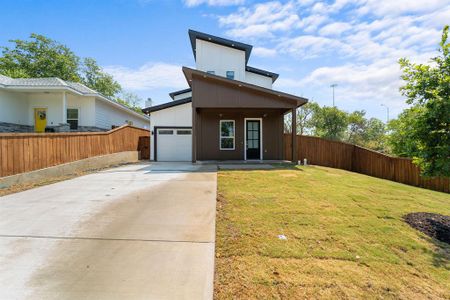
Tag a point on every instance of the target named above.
point(142, 231)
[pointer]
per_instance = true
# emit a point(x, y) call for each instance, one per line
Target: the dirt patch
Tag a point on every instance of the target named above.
point(434, 225)
point(288, 175)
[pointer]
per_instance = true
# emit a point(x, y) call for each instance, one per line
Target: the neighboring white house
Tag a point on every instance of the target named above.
point(52, 104)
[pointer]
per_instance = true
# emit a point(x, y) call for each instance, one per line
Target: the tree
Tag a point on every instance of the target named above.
point(330, 123)
point(39, 57)
point(304, 118)
point(357, 124)
point(96, 79)
point(401, 139)
point(43, 57)
point(130, 100)
point(427, 88)
point(375, 135)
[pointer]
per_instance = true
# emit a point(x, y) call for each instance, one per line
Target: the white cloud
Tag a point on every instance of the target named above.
point(399, 7)
point(362, 38)
point(261, 20)
point(149, 76)
point(336, 28)
point(264, 52)
point(309, 46)
point(192, 3)
point(359, 85)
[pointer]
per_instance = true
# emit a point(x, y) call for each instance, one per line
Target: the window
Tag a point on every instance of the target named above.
point(211, 72)
point(230, 74)
point(168, 132)
point(72, 118)
point(184, 132)
point(226, 134)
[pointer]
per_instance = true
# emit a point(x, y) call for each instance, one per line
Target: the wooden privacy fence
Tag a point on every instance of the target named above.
point(23, 152)
point(350, 157)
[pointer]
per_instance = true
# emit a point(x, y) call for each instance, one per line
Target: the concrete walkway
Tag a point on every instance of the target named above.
point(142, 231)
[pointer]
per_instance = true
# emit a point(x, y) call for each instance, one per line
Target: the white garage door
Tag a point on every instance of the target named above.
point(174, 144)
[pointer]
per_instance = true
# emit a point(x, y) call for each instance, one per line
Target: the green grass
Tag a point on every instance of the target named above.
point(346, 237)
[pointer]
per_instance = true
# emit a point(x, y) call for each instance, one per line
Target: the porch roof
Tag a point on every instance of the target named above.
point(273, 95)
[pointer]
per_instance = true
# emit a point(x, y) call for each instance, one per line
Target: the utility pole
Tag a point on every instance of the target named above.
point(387, 112)
point(333, 86)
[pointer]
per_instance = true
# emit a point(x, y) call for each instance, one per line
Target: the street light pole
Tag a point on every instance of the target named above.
point(333, 86)
point(387, 112)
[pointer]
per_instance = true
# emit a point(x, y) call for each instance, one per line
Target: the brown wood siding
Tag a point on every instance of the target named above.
point(207, 137)
point(213, 94)
point(350, 157)
point(23, 152)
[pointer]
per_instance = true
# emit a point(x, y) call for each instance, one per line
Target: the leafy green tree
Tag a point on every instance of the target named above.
point(304, 119)
point(305, 116)
point(401, 139)
point(428, 88)
point(375, 135)
point(96, 79)
point(330, 123)
point(357, 124)
point(130, 100)
point(43, 57)
point(39, 57)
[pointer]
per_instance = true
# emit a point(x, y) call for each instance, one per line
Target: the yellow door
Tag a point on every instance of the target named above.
point(40, 119)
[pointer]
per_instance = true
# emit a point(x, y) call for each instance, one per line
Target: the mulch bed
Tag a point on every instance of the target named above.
point(434, 225)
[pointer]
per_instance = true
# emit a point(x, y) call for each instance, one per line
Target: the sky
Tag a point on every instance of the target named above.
point(355, 44)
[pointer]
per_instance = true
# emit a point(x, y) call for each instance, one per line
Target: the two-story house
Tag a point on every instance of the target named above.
point(229, 111)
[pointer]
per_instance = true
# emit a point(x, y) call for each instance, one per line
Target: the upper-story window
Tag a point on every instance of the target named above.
point(211, 72)
point(230, 74)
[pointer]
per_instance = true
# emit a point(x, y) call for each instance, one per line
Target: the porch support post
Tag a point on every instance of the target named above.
point(294, 135)
point(194, 134)
point(64, 108)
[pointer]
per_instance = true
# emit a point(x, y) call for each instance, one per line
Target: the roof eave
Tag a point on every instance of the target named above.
point(176, 93)
point(166, 105)
point(261, 72)
point(120, 106)
point(193, 35)
point(188, 74)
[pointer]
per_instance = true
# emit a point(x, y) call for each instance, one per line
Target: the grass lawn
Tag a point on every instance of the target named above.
point(345, 237)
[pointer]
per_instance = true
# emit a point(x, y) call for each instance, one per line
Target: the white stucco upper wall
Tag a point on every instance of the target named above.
point(220, 59)
point(182, 96)
point(259, 80)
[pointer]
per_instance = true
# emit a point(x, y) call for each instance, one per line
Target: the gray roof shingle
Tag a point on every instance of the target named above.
point(45, 82)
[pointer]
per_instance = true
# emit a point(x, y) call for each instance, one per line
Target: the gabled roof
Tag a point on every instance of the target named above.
point(189, 73)
point(176, 93)
point(166, 105)
point(274, 76)
point(194, 35)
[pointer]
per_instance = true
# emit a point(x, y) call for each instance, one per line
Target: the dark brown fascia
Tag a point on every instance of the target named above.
point(166, 105)
point(190, 73)
point(176, 93)
point(262, 72)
